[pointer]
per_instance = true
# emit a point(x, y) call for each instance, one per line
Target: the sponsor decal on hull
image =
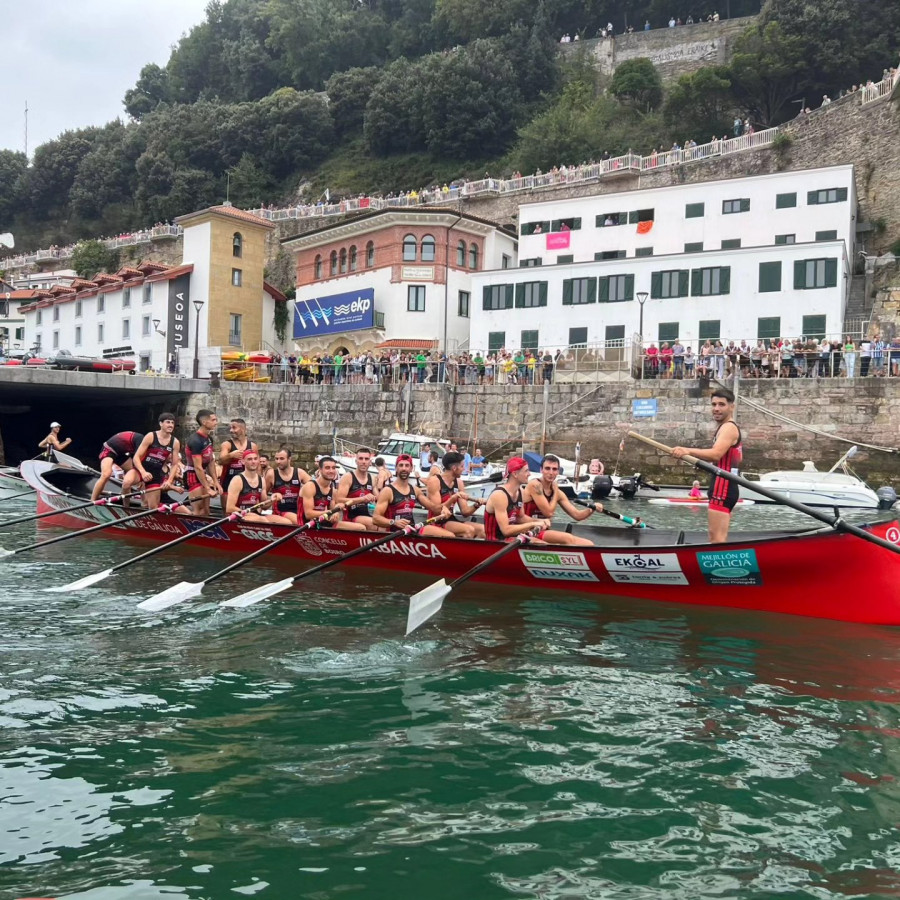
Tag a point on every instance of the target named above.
point(729, 567)
point(557, 565)
point(422, 549)
point(256, 534)
point(217, 534)
point(644, 568)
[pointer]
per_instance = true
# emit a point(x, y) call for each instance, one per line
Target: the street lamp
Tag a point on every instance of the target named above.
point(198, 305)
point(642, 299)
point(156, 323)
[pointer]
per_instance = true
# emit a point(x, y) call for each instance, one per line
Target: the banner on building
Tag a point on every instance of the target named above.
point(177, 330)
point(334, 313)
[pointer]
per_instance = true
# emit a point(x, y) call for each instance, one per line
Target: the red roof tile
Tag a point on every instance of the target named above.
point(231, 211)
point(406, 344)
point(274, 292)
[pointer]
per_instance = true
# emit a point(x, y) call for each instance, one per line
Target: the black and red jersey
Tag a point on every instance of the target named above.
point(321, 502)
point(250, 494)
point(289, 488)
point(492, 530)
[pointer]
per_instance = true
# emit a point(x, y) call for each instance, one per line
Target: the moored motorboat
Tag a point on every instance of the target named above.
point(762, 571)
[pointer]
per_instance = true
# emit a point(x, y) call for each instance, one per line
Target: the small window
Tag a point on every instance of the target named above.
point(814, 327)
point(20, 334)
point(815, 273)
point(532, 261)
point(473, 256)
point(731, 244)
point(571, 224)
point(409, 248)
point(126, 298)
point(736, 206)
point(352, 257)
point(709, 329)
point(236, 277)
point(606, 220)
point(673, 283)
point(505, 261)
point(428, 248)
point(333, 262)
point(826, 235)
point(37, 341)
point(829, 195)
point(609, 254)
point(616, 288)
point(768, 328)
point(531, 294)
point(498, 296)
point(578, 337)
point(785, 239)
point(56, 340)
point(496, 341)
point(668, 331)
point(370, 254)
point(100, 332)
point(711, 282)
point(640, 215)
point(535, 228)
point(101, 304)
point(615, 334)
point(237, 245)
point(126, 328)
point(643, 251)
point(464, 301)
point(148, 293)
point(77, 309)
point(415, 298)
point(769, 277)
point(317, 267)
point(565, 259)
point(342, 256)
point(785, 201)
point(461, 254)
point(39, 320)
point(77, 335)
point(55, 313)
point(145, 326)
point(530, 341)
point(235, 323)
point(694, 210)
point(694, 247)
point(578, 291)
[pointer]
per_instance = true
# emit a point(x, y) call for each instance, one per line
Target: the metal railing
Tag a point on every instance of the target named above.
point(872, 92)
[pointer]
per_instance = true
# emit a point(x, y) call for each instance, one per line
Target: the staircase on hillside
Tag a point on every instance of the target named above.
point(858, 312)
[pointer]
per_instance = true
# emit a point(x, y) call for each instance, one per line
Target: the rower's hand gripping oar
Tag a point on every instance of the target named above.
point(835, 522)
point(634, 523)
point(249, 598)
point(88, 580)
point(103, 501)
point(428, 601)
point(83, 531)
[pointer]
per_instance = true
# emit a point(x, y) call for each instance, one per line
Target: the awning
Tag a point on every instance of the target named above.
point(407, 344)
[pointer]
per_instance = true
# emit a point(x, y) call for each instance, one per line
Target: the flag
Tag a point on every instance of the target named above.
point(644, 227)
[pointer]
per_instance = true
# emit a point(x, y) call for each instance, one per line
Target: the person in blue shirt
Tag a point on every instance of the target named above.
point(467, 462)
point(424, 461)
point(476, 466)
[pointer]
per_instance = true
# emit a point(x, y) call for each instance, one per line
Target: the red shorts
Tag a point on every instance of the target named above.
point(118, 458)
point(191, 482)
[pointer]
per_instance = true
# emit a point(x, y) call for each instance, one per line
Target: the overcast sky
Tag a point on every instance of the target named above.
point(73, 60)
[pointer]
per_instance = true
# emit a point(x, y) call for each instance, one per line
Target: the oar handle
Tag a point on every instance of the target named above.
point(835, 522)
point(103, 501)
point(628, 520)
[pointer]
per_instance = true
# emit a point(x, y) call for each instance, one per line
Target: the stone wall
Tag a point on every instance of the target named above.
point(865, 410)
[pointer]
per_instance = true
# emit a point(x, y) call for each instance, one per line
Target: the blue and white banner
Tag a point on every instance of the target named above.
point(334, 314)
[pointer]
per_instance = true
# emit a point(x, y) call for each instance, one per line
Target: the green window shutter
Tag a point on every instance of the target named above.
point(694, 210)
point(725, 280)
point(696, 282)
point(769, 277)
point(520, 296)
point(542, 294)
point(842, 193)
point(604, 290)
point(745, 205)
point(576, 223)
point(655, 285)
point(633, 216)
point(683, 282)
point(486, 298)
point(799, 274)
point(567, 292)
point(599, 220)
point(592, 290)
point(830, 273)
point(812, 198)
point(629, 287)
point(509, 295)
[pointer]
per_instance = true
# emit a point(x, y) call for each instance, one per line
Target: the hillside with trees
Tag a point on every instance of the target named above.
point(273, 99)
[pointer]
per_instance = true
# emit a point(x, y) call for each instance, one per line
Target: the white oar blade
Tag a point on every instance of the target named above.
point(425, 604)
point(6, 552)
point(257, 594)
point(178, 593)
point(87, 581)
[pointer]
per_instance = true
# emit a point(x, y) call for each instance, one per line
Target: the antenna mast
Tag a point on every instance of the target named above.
point(26, 129)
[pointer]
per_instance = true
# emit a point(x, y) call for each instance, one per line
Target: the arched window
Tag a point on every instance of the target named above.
point(428, 248)
point(334, 262)
point(353, 258)
point(317, 267)
point(237, 245)
point(343, 260)
point(370, 254)
point(473, 256)
point(409, 248)
point(461, 253)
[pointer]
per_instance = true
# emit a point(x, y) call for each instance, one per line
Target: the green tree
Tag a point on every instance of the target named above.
point(104, 175)
point(249, 184)
point(637, 83)
point(151, 89)
point(13, 168)
point(393, 120)
point(348, 93)
point(54, 168)
point(701, 104)
point(91, 257)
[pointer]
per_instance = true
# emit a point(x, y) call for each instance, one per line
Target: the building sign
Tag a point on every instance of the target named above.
point(417, 273)
point(643, 409)
point(334, 314)
point(177, 334)
point(559, 240)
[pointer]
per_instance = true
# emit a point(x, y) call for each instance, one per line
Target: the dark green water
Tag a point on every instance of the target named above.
point(521, 747)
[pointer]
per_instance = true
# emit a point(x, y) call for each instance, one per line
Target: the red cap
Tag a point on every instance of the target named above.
point(515, 463)
point(404, 457)
point(249, 452)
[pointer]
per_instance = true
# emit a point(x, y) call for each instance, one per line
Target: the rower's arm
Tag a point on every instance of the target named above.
point(503, 523)
point(343, 488)
point(307, 498)
point(379, 517)
point(427, 502)
point(141, 452)
point(433, 486)
point(225, 456)
point(234, 491)
point(724, 442)
point(579, 514)
point(536, 495)
point(175, 467)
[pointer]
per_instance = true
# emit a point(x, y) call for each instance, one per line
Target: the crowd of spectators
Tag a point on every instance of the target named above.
point(608, 31)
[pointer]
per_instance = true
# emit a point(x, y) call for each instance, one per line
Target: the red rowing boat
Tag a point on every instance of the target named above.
point(767, 571)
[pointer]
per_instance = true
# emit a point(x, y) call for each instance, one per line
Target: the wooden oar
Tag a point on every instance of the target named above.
point(83, 531)
point(13, 496)
point(276, 587)
point(187, 590)
point(835, 522)
point(634, 523)
point(103, 501)
point(428, 601)
point(88, 580)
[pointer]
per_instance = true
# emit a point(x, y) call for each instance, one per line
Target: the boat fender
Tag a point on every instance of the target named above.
point(601, 487)
point(887, 497)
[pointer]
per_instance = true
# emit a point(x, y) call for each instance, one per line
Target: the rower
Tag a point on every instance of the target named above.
point(155, 460)
point(445, 489)
point(317, 497)
point(286, 479)
point(504, 518)
point(383, 476)
point(118, 451)
point(397, 500)
point(200, 469)
point(52, 441)
point(231, 455)
point(358, 485)
point(248, 489)
point(726, 453)
point(541, 497)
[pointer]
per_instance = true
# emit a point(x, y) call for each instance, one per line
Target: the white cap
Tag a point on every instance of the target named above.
point(55, 425)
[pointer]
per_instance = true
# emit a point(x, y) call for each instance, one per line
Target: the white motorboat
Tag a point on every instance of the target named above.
point(814, 488)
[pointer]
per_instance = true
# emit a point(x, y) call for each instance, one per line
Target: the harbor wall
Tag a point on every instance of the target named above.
point(598, 415)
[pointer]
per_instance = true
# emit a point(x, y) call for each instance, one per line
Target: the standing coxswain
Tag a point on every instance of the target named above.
point(726, 453)
point(398, 500)
point(118, 450)
point(287, 480)
point(445, 489)
point(318, 495)
point(231, 454)
point(247, 489)
point(504, 517)
point(200, 467)
point(52, 441)
point(543, 496)
point(156, 460)
point(358, 485)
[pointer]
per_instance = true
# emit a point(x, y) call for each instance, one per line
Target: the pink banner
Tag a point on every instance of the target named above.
point(559, 240)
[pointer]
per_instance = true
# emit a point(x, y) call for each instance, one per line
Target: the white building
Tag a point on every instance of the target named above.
point(766, 256)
